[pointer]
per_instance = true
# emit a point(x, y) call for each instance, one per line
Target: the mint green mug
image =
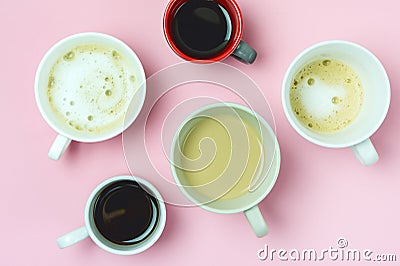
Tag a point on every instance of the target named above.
point(266, 172)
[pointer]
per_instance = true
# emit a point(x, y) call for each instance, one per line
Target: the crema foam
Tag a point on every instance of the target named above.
point(90, 88)
point(326, 95)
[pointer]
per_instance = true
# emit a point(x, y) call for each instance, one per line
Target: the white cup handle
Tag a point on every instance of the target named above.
point(256, 221)
point(72, 237)
point(365, 152)
point(58, 147)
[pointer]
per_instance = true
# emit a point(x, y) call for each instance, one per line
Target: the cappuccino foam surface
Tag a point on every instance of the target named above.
point(90, 88)
point(326, 95)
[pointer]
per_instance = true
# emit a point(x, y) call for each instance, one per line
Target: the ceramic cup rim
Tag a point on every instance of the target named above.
point(151, 240)
point(286, 86)
point(97, 36)
point(277, 157)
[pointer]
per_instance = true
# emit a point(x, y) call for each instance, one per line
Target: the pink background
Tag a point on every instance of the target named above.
point(320, 195)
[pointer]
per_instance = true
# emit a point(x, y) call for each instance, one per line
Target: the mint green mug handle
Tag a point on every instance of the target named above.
point(73, 237)
point(256, 221)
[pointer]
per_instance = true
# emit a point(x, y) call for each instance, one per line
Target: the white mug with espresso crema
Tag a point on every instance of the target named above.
point(84, 86)
point(336, 94)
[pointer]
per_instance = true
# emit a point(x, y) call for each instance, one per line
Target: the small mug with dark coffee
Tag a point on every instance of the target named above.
point(206, 31)
point(124, 215)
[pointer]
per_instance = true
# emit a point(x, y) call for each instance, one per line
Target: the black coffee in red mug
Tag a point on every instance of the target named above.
point(206, 30)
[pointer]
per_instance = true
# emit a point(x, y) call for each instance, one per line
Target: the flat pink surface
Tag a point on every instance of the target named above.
point(320, 196)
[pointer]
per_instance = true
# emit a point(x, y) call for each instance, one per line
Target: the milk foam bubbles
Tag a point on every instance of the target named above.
point(90, 88)
point(317, 98)
point(326, 95)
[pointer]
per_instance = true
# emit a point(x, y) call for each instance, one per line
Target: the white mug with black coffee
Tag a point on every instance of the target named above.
point(124, 215)
point(336, 94)
point(84, 86)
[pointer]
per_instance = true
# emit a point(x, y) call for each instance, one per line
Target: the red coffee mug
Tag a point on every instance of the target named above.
point(235, 46)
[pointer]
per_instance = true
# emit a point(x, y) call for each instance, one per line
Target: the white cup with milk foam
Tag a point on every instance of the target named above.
point(84, 85)
point(375, 104)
